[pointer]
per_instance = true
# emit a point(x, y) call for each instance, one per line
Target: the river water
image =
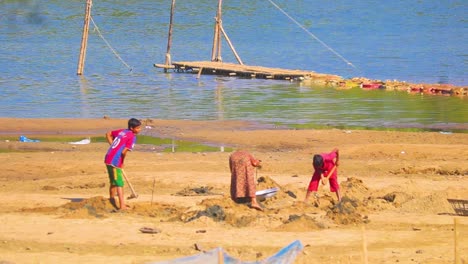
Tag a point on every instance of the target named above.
point(414, 41)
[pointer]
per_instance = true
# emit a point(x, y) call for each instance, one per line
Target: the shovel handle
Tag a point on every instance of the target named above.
point(329, 174)
point(134, 194)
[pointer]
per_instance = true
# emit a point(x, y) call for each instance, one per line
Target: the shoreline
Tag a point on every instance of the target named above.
point(224, 133)
point(97, 126)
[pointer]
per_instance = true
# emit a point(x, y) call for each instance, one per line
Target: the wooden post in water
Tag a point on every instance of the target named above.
point(216, 51)
point(84, 39)
point(169, 38)
point(218, 29)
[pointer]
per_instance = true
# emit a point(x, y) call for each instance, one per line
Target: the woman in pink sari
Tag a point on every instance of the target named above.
point(242, 165)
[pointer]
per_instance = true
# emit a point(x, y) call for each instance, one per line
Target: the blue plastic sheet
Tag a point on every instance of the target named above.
point(25, 139)
point(286, 255)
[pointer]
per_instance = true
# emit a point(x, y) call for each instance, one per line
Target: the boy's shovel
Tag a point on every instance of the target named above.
point(134, 194)
point(329, 174)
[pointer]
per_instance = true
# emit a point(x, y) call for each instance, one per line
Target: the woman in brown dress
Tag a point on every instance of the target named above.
point(242, 165)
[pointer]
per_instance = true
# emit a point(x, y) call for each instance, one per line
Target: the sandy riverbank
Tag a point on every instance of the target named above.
point(53, 210)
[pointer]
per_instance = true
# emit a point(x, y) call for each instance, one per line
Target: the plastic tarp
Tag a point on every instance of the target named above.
point(286, 255)
point(81, 142)
point(25, 139)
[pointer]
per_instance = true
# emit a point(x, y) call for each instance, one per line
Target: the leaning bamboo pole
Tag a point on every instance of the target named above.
point(84, 39)
point(230, 44)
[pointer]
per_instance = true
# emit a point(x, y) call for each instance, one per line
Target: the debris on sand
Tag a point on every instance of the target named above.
point(199, 191)
point(300, 223)
point(49, 188)
point(150, 230)
point(214, 212)
point(397, 198)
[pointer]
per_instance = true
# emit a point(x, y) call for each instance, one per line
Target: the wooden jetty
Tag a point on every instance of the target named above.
point(247, 71)
point(217, 67)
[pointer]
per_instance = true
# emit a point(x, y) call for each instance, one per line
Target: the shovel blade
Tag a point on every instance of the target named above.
point(133, 196)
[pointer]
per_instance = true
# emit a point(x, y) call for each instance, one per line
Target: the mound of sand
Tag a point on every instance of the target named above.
point(347, 212)
point(435, 203)
point(354, 188)
point(94, 207)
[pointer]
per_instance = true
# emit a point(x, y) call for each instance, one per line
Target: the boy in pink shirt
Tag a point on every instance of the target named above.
point(121, 141)
point(325, 166)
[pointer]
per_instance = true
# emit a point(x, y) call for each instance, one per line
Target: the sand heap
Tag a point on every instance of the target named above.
point(435, 203)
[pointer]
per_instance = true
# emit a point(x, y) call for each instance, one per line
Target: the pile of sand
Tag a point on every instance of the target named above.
point(354, 188)
point(347, 212)
point(282, 212)
point(435, 203)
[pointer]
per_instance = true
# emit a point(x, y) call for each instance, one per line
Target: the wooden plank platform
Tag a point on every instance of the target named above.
point(246, 71)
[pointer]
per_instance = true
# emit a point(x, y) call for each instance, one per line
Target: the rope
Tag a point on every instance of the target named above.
point(109, 46)
point(312, 35)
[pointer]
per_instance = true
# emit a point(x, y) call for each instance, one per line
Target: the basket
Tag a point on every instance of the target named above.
point(460, 206)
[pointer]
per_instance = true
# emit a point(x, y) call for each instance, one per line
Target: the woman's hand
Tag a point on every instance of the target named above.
point(259, 164)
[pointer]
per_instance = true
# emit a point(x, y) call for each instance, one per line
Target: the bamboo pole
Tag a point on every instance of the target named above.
point(364, 246)
point(84, 38)
point(216, 50)
point(220, 256)
point(152, 192)
point(219, 57)
point(169, 37)
point(215, 40)
point(456, 249)
point(230, 44)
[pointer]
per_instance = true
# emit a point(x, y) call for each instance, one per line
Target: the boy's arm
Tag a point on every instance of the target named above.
point(109, 137)
point(337, 158)
point(123, 155)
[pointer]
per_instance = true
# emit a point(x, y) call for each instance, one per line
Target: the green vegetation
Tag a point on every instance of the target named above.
point(179, 145)
point(403, 129)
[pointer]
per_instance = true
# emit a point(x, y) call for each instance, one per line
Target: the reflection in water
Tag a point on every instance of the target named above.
point(84, 89)
point(220, 106)
point(219, 100)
